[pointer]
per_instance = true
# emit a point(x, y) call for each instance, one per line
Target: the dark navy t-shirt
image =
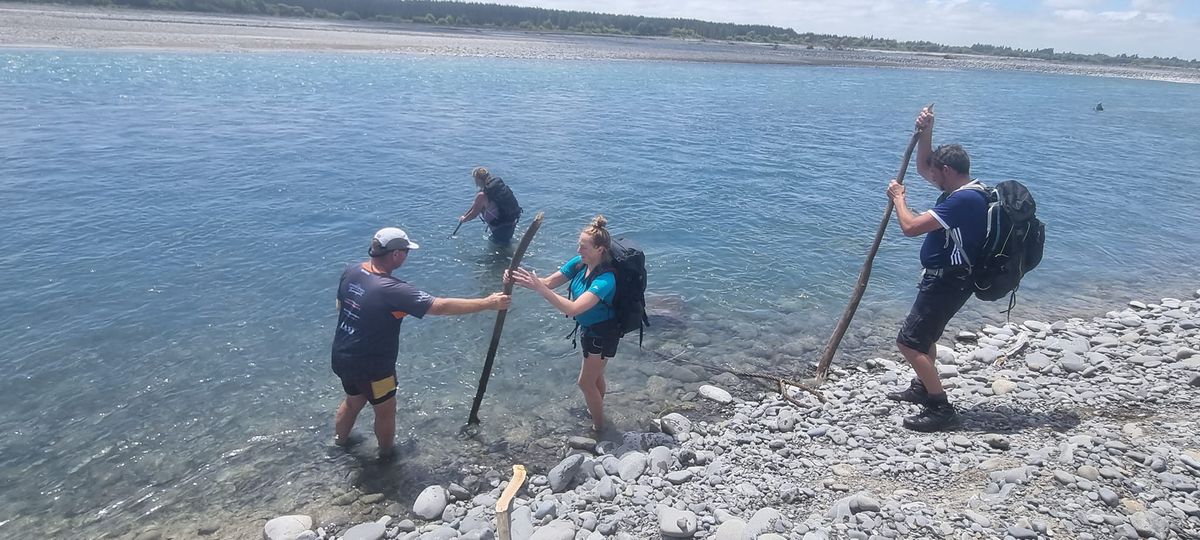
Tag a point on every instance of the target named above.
point(963, 215)
point(371, 308)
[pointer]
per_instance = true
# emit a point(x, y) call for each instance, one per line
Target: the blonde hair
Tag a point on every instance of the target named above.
point(597, 230)
point(481, 176)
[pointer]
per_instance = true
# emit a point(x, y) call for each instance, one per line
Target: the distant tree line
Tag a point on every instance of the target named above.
point(454, 13)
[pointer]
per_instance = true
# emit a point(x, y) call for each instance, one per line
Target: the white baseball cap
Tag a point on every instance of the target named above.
point(390, 239)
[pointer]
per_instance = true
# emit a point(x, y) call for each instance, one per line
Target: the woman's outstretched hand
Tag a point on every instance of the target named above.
point(524, 278)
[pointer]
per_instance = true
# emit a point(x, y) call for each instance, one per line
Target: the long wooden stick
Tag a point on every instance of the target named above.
point(491, 354)
point(503, 521)
point(865, 274)
point(456, 229)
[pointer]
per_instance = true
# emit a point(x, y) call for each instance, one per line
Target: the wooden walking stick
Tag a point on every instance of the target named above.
point(491, 354)
point(865, 274)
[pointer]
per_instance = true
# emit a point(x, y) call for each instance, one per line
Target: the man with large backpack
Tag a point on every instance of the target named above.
point(495, 204)
point(955, 232)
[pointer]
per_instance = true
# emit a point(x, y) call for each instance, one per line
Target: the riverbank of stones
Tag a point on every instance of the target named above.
point(1079, 428)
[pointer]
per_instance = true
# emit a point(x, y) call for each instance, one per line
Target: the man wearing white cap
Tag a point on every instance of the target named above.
point(371, 305)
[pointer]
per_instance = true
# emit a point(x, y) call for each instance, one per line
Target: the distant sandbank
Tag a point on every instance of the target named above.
point(74, 27)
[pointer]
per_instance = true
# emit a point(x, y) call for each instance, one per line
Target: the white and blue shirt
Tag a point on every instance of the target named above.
point(963, 216)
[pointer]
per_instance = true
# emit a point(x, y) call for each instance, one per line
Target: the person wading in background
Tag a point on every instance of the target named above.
point(495, 204)
point(589, 301)
point(371, 305)
point(954, 234)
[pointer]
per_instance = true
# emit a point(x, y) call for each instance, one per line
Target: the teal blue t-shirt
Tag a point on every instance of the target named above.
point(603, 286)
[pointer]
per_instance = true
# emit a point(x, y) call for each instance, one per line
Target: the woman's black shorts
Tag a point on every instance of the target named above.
point(601, 339)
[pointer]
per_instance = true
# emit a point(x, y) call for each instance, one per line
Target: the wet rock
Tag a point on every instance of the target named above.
point(286, 527)
point(581, 443)
point(675, 424)
point(715, 394)
point(631, 466)
point(561, 475)
point(559, 529)
point(366, 531)
point(431, 502)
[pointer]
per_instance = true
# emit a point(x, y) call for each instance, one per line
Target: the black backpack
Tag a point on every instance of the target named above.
point(1013, 243)
point(629, 300)
point(506, 203)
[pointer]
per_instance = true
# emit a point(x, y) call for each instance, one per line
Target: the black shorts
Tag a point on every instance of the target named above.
point(601, 339)
point(502, 233)
point(938, 299)
point(377, 391)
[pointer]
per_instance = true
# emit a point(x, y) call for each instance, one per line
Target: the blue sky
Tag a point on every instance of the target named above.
point(1143, 27)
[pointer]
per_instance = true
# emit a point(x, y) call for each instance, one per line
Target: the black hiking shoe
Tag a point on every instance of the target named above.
point(915, 393)
point(936, 417)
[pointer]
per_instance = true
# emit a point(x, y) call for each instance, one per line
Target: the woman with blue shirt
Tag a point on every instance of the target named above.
point(589, 301)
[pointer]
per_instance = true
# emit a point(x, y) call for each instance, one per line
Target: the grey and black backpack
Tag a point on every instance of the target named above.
point(1013, 244)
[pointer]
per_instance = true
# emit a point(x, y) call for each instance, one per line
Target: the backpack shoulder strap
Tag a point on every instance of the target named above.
point(607, 268)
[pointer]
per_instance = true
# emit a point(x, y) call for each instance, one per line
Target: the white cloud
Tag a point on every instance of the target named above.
point(1069, 4)
point(1160, 6)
